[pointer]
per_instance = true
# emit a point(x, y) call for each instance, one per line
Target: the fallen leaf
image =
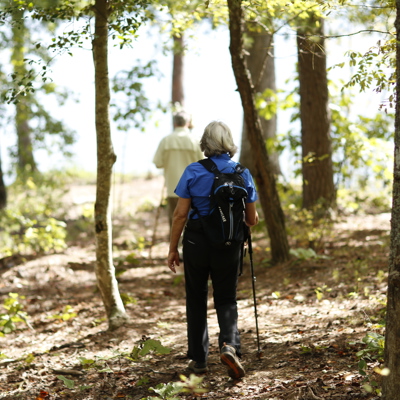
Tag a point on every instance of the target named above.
point(43, 395)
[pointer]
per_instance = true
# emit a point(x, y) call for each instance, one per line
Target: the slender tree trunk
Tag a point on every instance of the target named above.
point(316, 142)
point(26, 160)
point(3, 190)
point(264, 176)
point(105, 271)
point(178, 95)
point(261, 64)
point(391, 383)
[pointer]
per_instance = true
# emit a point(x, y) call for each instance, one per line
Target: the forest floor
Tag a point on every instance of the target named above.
point(312, 314)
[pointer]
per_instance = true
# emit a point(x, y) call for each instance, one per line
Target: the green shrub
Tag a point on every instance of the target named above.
point(14, 314)
point(32, 221)
point(23, 235)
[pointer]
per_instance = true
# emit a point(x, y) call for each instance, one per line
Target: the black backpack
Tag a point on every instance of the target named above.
point(224, 225)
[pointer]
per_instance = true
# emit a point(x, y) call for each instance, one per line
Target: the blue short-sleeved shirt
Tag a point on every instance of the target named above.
point(196, 182)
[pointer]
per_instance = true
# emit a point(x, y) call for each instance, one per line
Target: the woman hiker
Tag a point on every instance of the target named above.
point(202, 260)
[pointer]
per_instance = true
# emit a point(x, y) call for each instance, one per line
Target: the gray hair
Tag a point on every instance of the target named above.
point(217, 139)
point(181, 118)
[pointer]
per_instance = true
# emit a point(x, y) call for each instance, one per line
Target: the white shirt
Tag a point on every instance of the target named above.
point(174, 153)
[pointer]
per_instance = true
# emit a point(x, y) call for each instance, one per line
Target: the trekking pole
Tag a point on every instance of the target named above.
point(253, 280)
point(153, 239)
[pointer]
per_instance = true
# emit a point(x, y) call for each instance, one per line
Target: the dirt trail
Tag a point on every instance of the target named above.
point(312, 315)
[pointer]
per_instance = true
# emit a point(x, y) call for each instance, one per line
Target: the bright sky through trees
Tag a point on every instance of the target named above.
point(210, 92)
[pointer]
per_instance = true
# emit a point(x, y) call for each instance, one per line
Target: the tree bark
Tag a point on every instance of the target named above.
point(261, 65)
point(316, 142)
point(264, 176)
point(391, 383)
point(26, 160)
point(105, 271)
point(178, 95)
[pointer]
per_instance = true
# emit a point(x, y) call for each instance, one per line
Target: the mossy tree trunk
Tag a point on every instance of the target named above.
point(105, 271)
point(391, 383)
point(26, 161)
point(264, 176)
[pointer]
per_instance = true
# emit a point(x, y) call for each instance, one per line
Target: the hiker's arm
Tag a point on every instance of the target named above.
point(178, 222)
point(251, 214)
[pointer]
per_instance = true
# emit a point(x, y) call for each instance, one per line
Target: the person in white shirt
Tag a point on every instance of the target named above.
point(174, 153)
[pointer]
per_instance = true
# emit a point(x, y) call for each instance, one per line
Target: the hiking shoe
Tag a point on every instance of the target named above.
point(198, 367)
point(230, 359)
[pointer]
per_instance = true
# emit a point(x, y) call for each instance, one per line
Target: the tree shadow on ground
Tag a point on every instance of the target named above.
point(312, 316)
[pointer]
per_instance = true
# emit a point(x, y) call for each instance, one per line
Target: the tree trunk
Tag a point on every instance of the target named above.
point(261, 64)
point(391, 383)
point(264, 176)
point(3, 190)
point(316, 142)
point(178, 95)
point(105, 271)
point(26, 160)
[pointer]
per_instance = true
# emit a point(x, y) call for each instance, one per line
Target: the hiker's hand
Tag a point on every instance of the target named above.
point(173, 260)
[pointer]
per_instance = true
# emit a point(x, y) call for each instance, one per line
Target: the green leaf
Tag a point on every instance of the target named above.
point(86, 362)
point(85, 387)
point(67, 382)
point(142, 381)
point(30, 358)
point(108, 369)
point(362, 365)
point(303, 254)
point(155, 346)
point(167, 390)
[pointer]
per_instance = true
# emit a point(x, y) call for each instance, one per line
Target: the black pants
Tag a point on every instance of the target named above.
point(201, 261)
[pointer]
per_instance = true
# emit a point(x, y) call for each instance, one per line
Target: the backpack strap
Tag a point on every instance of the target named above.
point(209, 165)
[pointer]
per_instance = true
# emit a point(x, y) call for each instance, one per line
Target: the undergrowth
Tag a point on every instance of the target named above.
point(33, 222)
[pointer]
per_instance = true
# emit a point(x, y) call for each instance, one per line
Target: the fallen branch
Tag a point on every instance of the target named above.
point(68, 372)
